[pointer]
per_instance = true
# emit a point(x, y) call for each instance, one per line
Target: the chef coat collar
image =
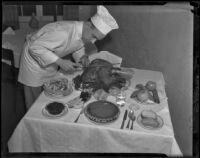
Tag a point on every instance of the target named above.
point(79, 29)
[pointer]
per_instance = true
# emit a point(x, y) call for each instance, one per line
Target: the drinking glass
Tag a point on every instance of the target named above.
point(121, 98)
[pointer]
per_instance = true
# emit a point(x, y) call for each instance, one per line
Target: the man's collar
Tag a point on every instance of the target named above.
point(79, 29)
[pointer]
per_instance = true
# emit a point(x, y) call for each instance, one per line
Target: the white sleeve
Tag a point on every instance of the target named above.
point(78, 54)
point(42, 48)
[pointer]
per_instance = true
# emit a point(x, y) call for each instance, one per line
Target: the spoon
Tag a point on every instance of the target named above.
point(133, 119)
point(130, 115)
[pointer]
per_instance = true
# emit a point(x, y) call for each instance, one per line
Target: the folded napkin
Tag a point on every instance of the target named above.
point(9, 31)
point(107, 56)
point(161, 90)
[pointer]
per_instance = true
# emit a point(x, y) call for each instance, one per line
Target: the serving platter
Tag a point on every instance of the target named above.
point(102, 112)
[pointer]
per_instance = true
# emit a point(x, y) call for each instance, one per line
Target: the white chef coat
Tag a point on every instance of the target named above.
point(44, 47)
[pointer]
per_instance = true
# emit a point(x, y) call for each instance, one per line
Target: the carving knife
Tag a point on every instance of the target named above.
point(124, 119)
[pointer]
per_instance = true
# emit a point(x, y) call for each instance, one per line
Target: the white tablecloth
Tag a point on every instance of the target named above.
point(36, 133)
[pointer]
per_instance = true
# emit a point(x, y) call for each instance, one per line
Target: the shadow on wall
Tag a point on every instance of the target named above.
point(104, 42)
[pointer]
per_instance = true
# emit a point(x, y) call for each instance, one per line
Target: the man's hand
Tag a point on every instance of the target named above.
point(67, 65)
point(84, 61)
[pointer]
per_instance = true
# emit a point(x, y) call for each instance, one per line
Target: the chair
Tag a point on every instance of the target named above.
point(8, 71)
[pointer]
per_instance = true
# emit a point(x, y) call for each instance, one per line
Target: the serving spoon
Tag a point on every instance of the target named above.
point(81, 112)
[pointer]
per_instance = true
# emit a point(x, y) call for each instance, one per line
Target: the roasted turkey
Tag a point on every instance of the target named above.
point(99, 75)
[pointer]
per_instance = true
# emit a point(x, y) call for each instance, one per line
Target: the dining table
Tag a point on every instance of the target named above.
point(38, 133)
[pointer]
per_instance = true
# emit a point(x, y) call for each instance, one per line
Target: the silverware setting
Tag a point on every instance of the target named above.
point(131, 118)
point(124, 119)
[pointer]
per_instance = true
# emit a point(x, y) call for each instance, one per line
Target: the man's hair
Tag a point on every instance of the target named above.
point(89, 20)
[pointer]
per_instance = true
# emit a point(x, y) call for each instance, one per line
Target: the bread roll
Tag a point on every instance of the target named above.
point(148, 114)
point(150, 122)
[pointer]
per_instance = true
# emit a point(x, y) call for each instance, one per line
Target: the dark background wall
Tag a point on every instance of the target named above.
point(157, 38)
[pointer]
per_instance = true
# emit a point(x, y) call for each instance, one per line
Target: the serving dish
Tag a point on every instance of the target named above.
point(54, 110)
point(58, 88)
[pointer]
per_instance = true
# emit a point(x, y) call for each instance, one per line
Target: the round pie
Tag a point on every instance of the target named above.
point(102, 112)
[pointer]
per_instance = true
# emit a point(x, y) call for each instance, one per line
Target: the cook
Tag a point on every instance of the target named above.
point(44, 50)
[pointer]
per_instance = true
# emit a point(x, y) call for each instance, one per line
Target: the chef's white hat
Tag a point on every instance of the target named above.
point(103, 21)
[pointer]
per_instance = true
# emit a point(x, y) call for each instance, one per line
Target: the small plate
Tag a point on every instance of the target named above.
point(150, 105)
point(48, 115)
point(149, 102)
point(159, 119)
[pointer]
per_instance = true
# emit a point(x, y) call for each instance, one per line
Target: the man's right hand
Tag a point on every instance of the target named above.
point(84, 61)
point(67, 65)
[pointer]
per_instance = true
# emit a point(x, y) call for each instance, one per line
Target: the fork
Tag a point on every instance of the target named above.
point(82, 110)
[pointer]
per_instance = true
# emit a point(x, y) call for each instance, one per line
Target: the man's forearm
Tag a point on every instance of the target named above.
point(59, 61)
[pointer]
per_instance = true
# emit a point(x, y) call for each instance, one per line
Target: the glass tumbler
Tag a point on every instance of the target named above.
point(121, 98)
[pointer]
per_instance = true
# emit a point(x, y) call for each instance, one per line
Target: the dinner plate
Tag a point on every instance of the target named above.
point(46, 113)
point(102, 112)
point(159, 119)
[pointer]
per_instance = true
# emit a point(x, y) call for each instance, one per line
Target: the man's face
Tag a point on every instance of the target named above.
point(91, 34)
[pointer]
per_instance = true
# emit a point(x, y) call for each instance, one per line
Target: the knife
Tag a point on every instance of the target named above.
point(125, 116)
